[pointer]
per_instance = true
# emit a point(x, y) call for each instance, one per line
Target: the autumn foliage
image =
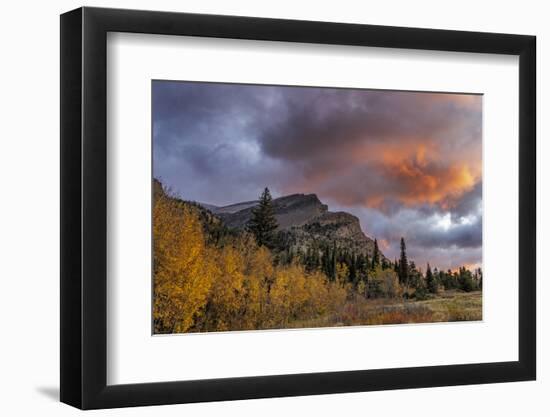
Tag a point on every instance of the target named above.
point(232, 284)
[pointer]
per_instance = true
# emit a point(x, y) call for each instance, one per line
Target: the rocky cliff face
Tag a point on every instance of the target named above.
point(340, 229)
point(304, 222)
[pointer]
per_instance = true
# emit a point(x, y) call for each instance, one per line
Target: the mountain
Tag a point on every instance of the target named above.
point(304, 223)
point(210, 207)
point(291, 211)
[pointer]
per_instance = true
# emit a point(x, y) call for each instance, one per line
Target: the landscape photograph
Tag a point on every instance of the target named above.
point(287, 207)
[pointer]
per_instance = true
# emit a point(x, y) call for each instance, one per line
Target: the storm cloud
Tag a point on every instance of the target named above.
point(406, 163)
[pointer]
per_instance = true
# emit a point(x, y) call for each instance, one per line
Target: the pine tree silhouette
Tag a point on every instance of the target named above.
point(403, 264)
point(263, 223)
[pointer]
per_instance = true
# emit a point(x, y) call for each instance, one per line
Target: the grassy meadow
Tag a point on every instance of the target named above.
point(449, 306)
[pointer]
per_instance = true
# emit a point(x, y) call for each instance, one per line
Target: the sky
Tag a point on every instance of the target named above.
point(407, 164)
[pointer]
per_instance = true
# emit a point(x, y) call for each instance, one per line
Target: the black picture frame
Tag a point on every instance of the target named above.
point(84, 207)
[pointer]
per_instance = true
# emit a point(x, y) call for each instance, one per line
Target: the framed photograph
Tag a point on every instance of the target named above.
point(258, 208)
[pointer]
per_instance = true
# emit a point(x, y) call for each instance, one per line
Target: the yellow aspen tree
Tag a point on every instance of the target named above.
point(257, 280)
point(279, 299)
point(342, 272)
point(318, 295)
point(298, 294)
point(226, 295)
point(182, 266)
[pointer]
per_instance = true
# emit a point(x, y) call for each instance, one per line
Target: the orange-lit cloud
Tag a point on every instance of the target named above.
point(423, 181)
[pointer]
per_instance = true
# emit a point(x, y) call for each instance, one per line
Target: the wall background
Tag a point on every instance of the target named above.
point(29, 212)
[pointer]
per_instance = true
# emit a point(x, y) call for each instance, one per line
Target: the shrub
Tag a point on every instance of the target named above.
point(386, 283)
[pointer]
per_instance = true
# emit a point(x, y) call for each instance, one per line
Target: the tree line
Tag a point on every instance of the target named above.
point(358, 269)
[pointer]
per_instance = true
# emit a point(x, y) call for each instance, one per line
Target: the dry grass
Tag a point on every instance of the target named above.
point(406, 314)
point(456, 306)
point(447, 307)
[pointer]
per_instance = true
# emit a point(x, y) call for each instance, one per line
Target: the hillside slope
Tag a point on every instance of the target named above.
point(304, 223)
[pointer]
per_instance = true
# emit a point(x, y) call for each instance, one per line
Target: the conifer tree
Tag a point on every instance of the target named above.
point(263, 224)
point(375, 255)
point(325, 261)
point(365, 268)
point(353, 269)
point(431, 282)
point(332, 265)
point(403, 264)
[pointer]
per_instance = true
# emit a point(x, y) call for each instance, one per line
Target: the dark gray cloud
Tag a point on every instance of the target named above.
point(408, 164)
point(469, 203)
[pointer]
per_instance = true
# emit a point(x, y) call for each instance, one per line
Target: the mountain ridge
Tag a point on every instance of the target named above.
point(304, 223)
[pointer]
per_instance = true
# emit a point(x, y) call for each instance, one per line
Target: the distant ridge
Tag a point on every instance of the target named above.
point(304, 223)
point(233, 208)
